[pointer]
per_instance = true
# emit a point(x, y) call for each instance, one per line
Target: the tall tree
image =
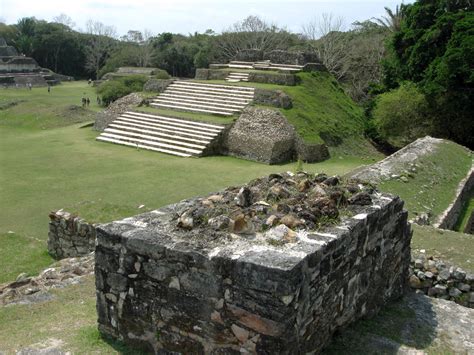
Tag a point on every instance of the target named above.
point(393, 20)
point(101, 42)
point(253, 33)
point(329, 42)
point(435, 49)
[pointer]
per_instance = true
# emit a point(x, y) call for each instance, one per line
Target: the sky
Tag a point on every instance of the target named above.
point(187, 16)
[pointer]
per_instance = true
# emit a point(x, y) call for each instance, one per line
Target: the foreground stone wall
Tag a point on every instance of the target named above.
point(159, 287)
point(69, 235)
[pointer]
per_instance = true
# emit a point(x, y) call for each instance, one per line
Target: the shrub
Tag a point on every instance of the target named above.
point(161, 74)
point(400, 116)
point(112, 90)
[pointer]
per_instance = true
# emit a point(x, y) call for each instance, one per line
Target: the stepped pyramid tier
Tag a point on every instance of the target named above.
point(18, 70)
point(266, 65)
point(192, 96)
point(162, 134)
point(236, 77)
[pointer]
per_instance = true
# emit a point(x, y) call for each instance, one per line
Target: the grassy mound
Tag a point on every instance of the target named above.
point(432, 187)
point(322, 113)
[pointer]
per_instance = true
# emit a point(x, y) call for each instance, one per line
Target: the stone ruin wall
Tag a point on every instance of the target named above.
point(69, 235)
point(156, 290)
point(450, 216)
point(265, 135)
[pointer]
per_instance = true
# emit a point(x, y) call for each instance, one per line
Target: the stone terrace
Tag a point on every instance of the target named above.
point(164, 282)
point(162, 134)
point(186, 95)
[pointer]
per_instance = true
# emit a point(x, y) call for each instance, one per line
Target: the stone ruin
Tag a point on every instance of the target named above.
point(69, 235)
point(275, 266)
point(18, 70)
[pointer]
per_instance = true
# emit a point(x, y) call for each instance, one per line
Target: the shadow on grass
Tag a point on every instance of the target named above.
point(410, 322)
point(90, 337)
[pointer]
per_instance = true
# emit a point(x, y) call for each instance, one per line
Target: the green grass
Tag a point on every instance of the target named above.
point(64, 167)
point(433, 186)
point(19, 254)
point(69, 319)
point(453, 247)
point(467, 211)
point(39, 109)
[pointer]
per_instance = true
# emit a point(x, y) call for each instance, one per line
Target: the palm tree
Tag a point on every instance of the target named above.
point(393, 20)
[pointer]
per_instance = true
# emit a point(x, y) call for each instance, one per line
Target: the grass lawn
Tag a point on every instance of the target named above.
point(48, 161)
point(64, 167)
point(433, 186)
point(453, 247)
point(39, 109)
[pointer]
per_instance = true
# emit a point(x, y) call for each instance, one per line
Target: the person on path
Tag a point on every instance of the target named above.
point(49, 89)
point(83, 102)
point(88, 101)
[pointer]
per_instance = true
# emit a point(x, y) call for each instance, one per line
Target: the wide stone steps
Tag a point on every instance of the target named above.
point(111, 139)
point(185, 95)
point(215, 90)
point(209, 94)
point(163, 134)
point(206, 98)
point(191, 109)
point(163, 128)
point(199, 103)
point(236, 77)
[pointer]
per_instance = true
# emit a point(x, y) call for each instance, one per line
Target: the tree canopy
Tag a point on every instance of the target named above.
point(435, 49)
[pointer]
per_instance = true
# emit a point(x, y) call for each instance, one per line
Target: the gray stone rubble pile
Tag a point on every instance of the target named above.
point(435, 278)
point(191, 278)
point(69, 235)
point(277, 206)
point(26, 289)
point(115, 109)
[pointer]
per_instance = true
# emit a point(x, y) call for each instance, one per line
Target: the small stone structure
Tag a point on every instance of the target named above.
point(277, 56)
point(18, 70)
point(205, 277)
point(69, 235)
point(255, 77)
point(116, 108)
point(265, 135)
point(438, 279)
point(276, 98)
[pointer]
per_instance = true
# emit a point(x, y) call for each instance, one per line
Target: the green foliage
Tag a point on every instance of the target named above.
point(400, 115)
point(161, 74)
point(435, 49)
point(112, 90)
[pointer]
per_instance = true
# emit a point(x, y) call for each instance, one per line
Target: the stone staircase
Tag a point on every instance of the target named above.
point(237, 77)
point(169, 135)
point(265, 65)
point(186, 95)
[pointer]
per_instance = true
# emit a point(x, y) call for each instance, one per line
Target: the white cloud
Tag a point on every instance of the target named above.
point(188, 16)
